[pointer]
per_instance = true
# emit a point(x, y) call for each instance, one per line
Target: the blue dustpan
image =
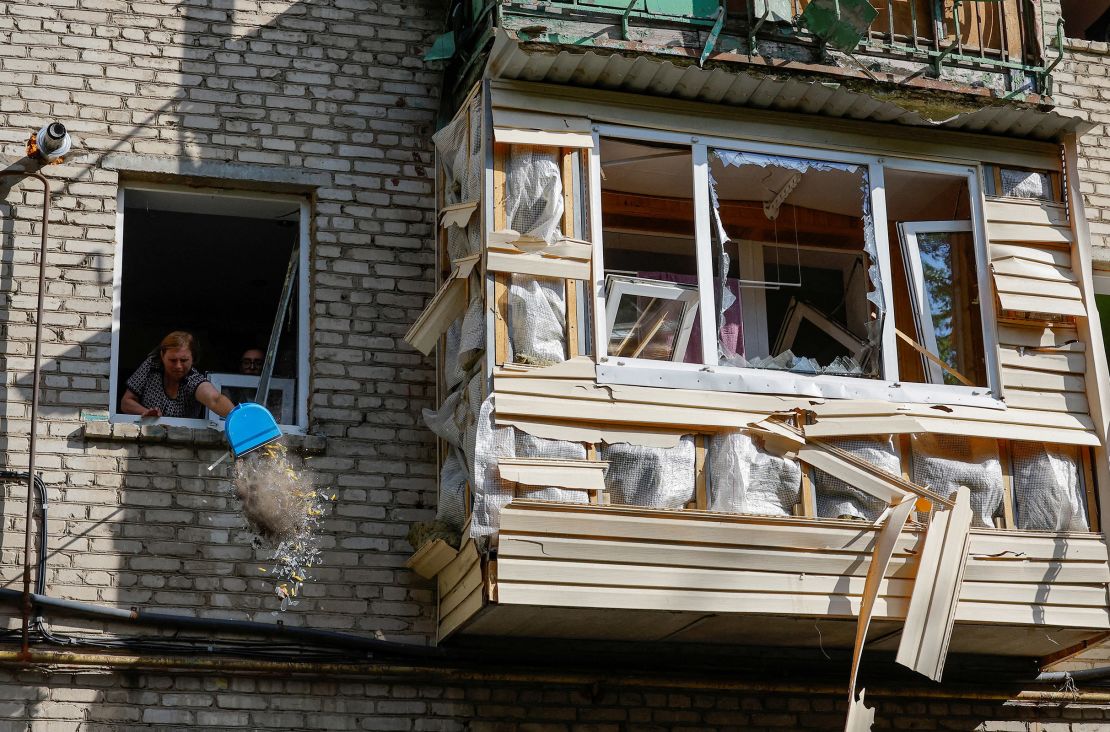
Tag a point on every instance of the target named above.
point(248, 427)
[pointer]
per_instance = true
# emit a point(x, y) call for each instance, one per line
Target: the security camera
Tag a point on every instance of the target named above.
point(52, 141)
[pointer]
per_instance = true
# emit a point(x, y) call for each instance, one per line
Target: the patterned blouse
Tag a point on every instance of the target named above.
point(146, 384)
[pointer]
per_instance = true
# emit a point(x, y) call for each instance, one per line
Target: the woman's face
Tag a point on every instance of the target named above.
point(176, 362)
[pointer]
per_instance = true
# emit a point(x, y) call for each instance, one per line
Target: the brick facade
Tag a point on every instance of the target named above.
point(330, 99)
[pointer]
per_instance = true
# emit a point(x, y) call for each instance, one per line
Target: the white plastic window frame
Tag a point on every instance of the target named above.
point(708, 375)
point(115, 386)
point(637, 287)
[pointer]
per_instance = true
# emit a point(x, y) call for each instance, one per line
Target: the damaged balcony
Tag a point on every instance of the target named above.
point(938, 59)
point(736, 378)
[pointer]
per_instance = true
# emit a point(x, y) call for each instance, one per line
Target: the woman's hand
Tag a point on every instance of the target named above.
point(130, 405)
point(154, 412)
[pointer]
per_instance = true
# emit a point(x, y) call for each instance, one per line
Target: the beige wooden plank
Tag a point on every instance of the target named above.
point(581, 368)
point(678, 556)
point(1062, 361)
point(574, 474)
point(1031, 593)
point(538, 265)
point(450, 575)
point(1081, 435)
point(516, 405)
point(429, 559)
point(1021, 285)
point(1031, 233)
point(543, 137)
point(551, 429)
point(446, 306)
point(884, 488)
point(881, 555)
point(1039, 545)
point(1036, 271)
point(923, 646)
point(457, 214)
point(538, 121)
point(1044, 255)
point(1039, 336)
point(1022, 379)
point(464, 611)
point(1035, 571)
point(1009, 210)
point(451, 599)
point(1068, 401)
point(604, 574)
point(1036, 304)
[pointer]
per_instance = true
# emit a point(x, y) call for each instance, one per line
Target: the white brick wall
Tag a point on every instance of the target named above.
point(328, 97)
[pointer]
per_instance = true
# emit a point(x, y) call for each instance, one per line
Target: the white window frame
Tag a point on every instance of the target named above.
point(286, 387)
point(639, 287)
point(709, 375)
point(115, 388)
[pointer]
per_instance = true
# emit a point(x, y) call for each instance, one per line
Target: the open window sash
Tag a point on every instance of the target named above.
point(663, 315)
point(910, 234)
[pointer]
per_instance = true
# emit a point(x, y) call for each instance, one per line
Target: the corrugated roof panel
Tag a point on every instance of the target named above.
point(645, 74)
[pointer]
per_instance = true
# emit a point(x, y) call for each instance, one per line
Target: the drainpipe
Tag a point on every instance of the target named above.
point(26, 605)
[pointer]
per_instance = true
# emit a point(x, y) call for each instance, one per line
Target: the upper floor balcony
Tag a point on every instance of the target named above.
point(941, 57)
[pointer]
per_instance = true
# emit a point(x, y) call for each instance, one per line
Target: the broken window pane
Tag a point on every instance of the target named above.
point(647, 214)
point(935, 280)
point(795, 274)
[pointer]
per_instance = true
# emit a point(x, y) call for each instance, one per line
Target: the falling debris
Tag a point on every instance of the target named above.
point(282, 505)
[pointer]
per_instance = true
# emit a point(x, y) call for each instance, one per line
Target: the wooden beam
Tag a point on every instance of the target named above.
point(742, 219)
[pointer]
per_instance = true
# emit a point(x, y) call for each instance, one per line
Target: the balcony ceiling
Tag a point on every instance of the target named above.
point(745, 87)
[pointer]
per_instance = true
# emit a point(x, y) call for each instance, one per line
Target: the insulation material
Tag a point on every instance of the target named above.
point(1048, 487)
point(534, 192)
point(491, 492)
point(528, 446)
point(537, 320)
point(449, 420)
point(452, 371)
point(652, 477)
point(1026, 184)
point(472, 335)
point(943, 463)
point(744, 478)
point(451, 508)
point(837, 499)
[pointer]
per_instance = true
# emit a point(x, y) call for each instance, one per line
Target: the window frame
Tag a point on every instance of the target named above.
point(710, 375)
point(115, 387)
point(638, 287)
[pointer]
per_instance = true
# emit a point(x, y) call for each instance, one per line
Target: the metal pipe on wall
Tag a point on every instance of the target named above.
point(26, 605)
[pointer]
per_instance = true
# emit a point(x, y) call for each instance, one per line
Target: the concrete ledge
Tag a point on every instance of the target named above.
point(1095, 47)
point(193, 437)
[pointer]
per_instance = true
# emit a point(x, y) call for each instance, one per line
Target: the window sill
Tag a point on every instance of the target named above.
point(191, 436)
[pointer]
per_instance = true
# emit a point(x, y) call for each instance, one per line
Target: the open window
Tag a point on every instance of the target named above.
point(936, 273)
point(211, 262)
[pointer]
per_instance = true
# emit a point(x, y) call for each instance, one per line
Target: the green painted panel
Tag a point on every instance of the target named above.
point(679, 8)
point(1102, 302)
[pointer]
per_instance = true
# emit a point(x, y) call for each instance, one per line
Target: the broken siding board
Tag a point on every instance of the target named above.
point(1019, 303)
point(574, 474)
point(1065, 425)
point(580, 368)
point(517, 405)
point(429, 559)
point(1036, 271)
point(1073, 362)
point(463, 612)
point(462, 589)
point(538, 265)
point(450, 575)
point(554, 430)
point(1082, 435)
point(1072, 402)
point(446, 307)
point(1043, 255)
point(932, 610)
point(536, 121)
point(1037, 288)
point(1040, 336)
point(1009, 210)
point(546, 138)
point(457, 214)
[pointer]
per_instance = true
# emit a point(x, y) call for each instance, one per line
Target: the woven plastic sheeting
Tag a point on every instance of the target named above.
point(452, 372)
point(472, 335)
point(744, 478)
point(943, 463)
point(537, 319)
point(449, 420)
point(836, 499)
point(451, 508)
point(458, 150)
point(534, 192)
point(1048, 487)
point(653, 477)
point(491, 492)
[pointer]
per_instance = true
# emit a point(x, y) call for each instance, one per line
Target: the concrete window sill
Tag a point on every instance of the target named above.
point(193, 437)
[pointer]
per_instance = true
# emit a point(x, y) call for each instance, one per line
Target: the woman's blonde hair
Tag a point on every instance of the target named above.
point(177, 339)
